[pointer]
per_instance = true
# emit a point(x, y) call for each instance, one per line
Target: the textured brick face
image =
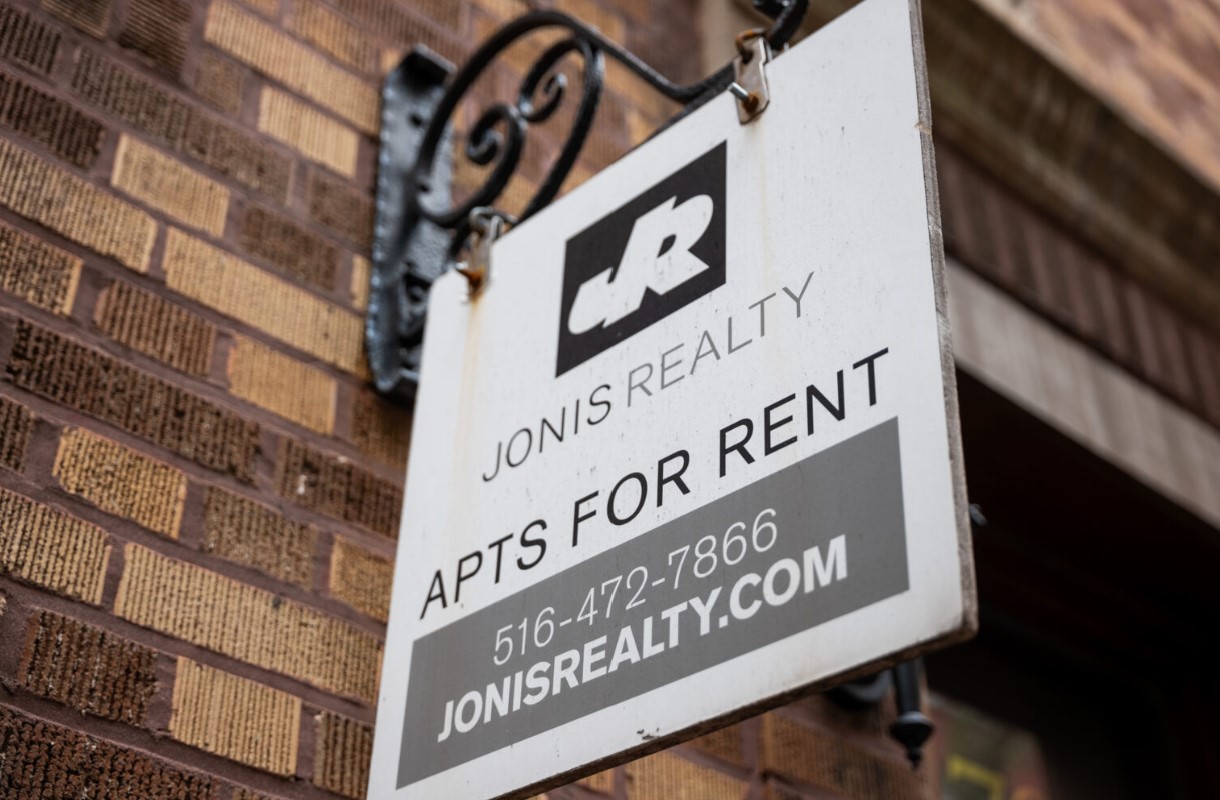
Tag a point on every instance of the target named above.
point(407, 28)
point(150, 324)
point(16, 422)
point(91, 16)
point(158, 29)
point(124, 93)
point(121, 481)
point(45, 760)
point(240, 290)
point(343, 750)
point(265, 48)
point(282, 385)
point(251, 534)
point(73, 208)
point(381, 429)
point(245, 623)
point(77, 377)
point(38, 273)
point(338, 207)
point(52, 549)
point(309, 131)
point(220, 82)
point(828, 762)
point(165, 183)
point(669, 777)
point(361, 579)
point(296, 250)
point(333, 486)
point(333, 34)
point(68, 133)
point(361, 269)
point(27, 41)
point(235, 718)
point(88, 669)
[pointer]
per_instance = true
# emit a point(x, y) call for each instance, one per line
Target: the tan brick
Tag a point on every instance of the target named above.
point(342, 751)
point(38, 273)
point(16, 424)
point(381, 429)
point(170, 186)
point(242, 291)
point(361, 272)
point(361, 578)
point(249, 624)
point(272, 52)
point(828, 762)
point(87, 668)
point(332, 34)
point(52, 549)
point(235, 718)
point(121, 481)
point(665, 776)
point(599, 781)
point(282, 385)
point(150, 324)
point(75, 209)
point(91, 16)
point(724, 744)
point(304, 128)
point(249, 533)
point(221, 82)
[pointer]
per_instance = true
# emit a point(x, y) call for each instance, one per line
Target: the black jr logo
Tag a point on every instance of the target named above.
point(644, 261)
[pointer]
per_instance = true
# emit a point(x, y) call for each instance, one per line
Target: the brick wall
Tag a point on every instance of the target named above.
point(199, 496)
point(1156, 62)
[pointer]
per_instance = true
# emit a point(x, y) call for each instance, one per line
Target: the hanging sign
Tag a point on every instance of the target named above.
point(693, 448)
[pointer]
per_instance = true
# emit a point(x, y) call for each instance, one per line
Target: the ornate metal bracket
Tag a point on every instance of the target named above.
point(418, 232)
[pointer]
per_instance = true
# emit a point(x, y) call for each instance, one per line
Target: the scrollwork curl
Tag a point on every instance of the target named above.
point(499, 135)
point(415, 237)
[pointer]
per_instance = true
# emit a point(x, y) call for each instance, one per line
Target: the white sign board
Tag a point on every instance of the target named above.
point(693, 449)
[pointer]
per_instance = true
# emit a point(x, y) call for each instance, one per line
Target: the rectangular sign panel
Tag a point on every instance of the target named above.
point(693, 449)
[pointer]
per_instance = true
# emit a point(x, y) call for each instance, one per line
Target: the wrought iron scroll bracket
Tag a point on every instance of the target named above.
point(419, 232)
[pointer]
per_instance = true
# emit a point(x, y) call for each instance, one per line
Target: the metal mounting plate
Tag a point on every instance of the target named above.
point(409, 252)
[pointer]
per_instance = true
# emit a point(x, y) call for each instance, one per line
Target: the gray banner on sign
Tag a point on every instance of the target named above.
point(838, 545)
